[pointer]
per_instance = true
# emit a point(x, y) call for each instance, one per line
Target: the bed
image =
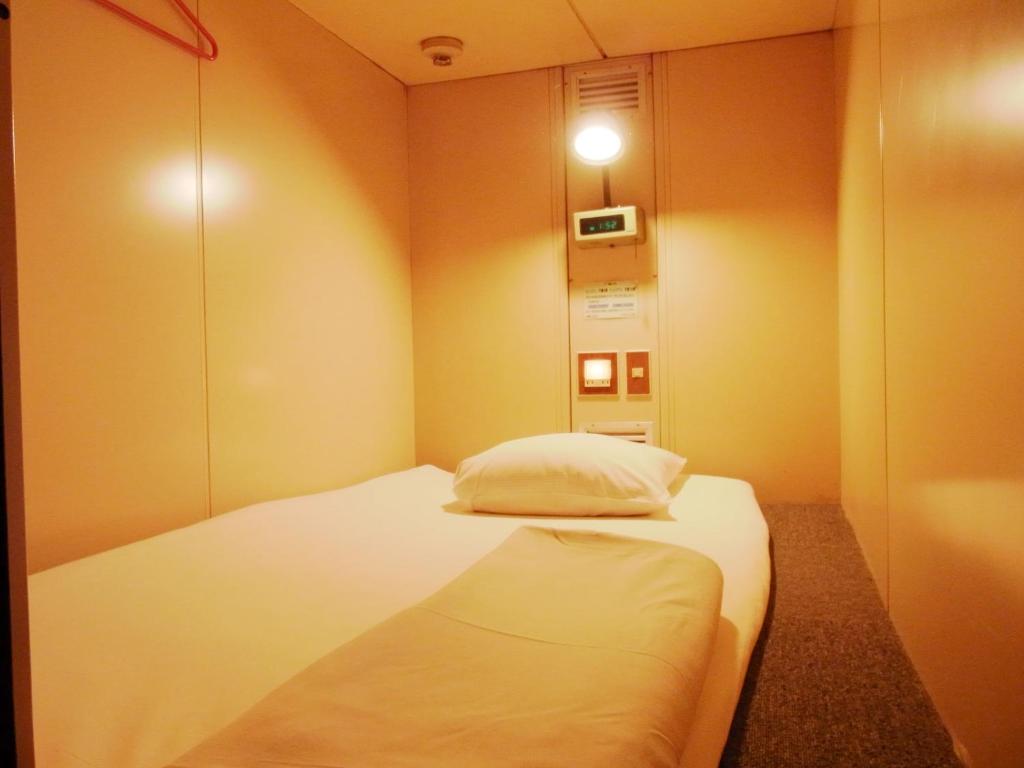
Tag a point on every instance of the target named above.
point(141, 652)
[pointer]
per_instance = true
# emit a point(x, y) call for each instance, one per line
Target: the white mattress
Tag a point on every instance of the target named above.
point(141, 652)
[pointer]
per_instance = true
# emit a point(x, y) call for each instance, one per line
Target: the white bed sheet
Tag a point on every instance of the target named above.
point(141, 652)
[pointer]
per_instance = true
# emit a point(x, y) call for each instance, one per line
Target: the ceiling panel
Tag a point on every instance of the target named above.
point(642, 26)
point(499, 35)
point(507, 36)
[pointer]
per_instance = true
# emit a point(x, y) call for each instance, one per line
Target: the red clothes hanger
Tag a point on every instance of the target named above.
point(139, 21)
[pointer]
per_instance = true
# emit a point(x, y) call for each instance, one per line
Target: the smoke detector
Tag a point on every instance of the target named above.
point(441, 50)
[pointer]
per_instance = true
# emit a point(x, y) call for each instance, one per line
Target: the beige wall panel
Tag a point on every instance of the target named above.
point(861, 284)
point(954, 198)
point(750, 261)
point(489, 275)
point(110, 278)
point(306, 232)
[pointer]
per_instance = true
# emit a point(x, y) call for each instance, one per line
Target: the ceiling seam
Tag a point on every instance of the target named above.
point(590, 33)
point(334, 34)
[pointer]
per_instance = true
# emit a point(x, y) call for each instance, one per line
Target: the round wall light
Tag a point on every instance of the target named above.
point(597, 139)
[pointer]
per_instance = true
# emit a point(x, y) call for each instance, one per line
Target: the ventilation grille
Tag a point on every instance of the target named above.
point(609, 89)
point(634, 431)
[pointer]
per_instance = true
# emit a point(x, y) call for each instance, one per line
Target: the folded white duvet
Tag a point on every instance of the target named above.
point(558, 648)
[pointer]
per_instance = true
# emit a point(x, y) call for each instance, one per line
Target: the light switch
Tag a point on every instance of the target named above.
point(638, 363)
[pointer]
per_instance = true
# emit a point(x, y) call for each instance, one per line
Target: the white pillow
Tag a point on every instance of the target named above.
point(573, 474)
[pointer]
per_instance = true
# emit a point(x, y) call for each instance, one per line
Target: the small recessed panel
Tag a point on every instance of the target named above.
point(598, 373)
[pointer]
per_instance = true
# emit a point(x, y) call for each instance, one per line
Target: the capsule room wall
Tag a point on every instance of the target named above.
point(488, 253)
point(110, 281)
point(748, 300)
point(749, 264)
point(943, 83)
point(191, 343)
point(306, 232)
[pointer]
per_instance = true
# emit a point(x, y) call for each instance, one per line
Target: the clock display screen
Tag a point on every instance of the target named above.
point(596, 225)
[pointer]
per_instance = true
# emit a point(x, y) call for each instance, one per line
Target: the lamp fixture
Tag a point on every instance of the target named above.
point(597, 139)
point(598, 373)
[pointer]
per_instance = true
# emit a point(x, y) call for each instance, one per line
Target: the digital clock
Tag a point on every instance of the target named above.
point(621, 225)
point(593, 225)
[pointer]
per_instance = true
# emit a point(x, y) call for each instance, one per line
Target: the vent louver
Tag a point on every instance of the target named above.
point(634, 431)
point(617, 89)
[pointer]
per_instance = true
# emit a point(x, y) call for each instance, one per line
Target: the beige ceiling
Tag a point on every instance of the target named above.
point(507, 36)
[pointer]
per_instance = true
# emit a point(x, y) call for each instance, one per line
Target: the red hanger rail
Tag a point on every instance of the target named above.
point(150, 27)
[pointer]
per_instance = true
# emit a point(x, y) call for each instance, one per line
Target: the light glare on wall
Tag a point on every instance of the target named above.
point(597, 140)
point(173, 188)
point(999, 95)
point(223, 186)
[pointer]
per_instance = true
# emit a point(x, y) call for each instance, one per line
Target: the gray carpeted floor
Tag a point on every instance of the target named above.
point(829, 682)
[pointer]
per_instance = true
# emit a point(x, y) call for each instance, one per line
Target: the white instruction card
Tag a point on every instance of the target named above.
point(604, 301)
